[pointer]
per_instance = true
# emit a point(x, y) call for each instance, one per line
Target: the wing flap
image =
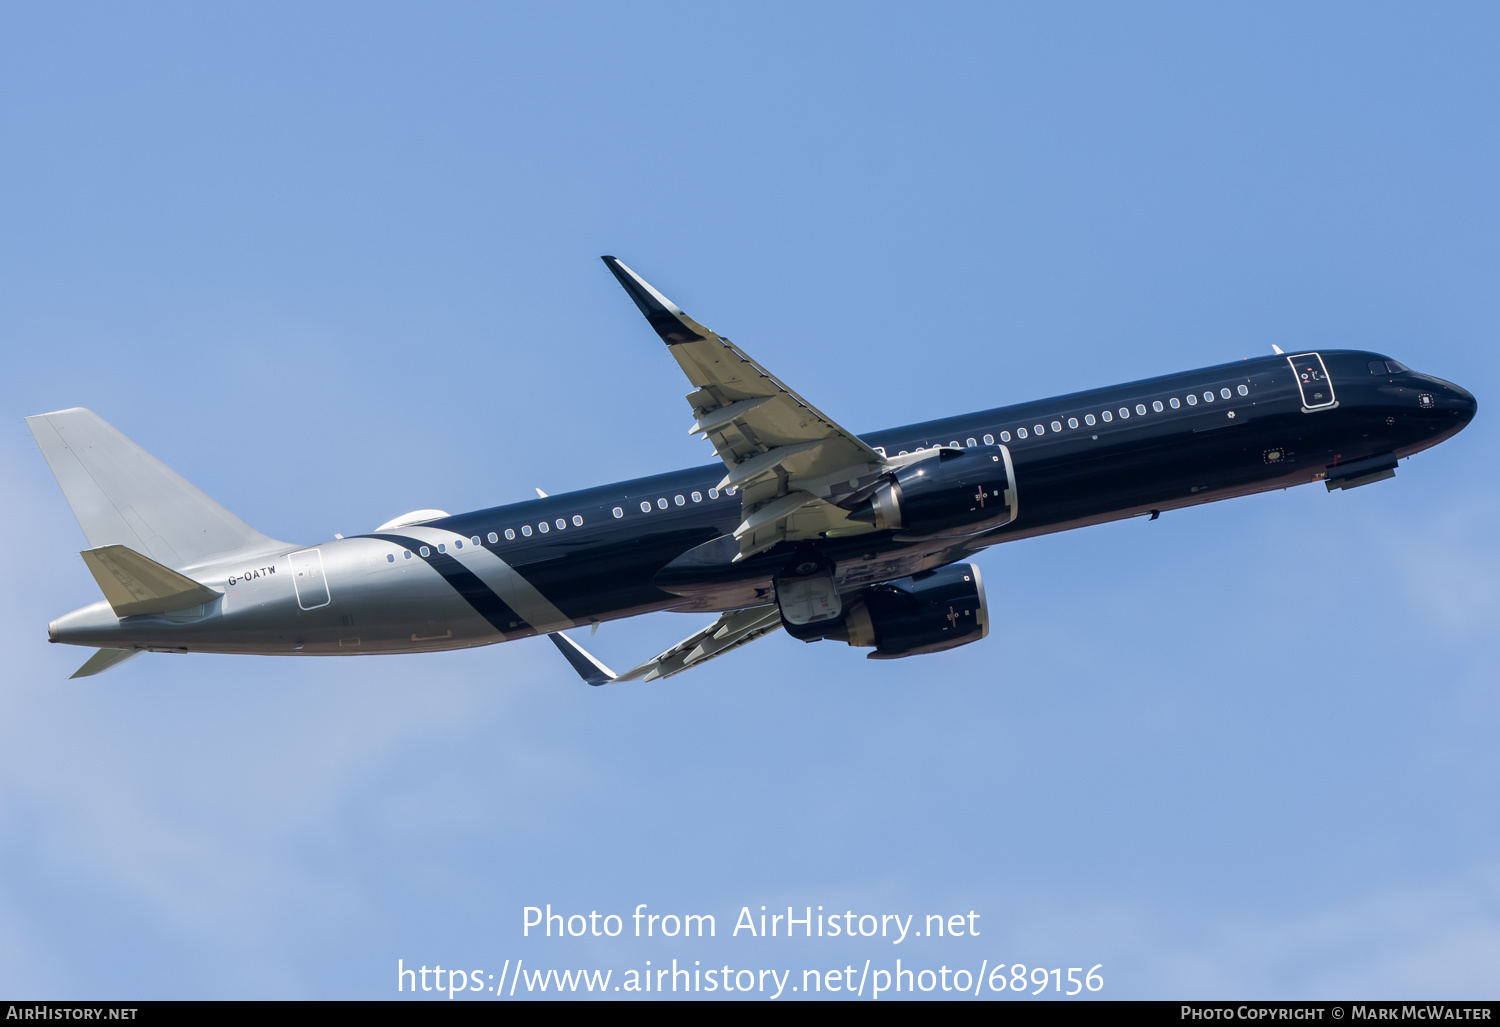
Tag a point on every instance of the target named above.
point(730, 631)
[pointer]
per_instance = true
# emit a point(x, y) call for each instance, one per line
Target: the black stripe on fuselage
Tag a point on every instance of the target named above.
point(464, 581)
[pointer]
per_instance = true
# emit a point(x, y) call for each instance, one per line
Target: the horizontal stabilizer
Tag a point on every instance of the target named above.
point(136, 584)
point(102, 661)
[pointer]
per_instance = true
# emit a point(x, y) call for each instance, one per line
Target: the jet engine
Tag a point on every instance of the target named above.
point(925, 613)
point(948, 492)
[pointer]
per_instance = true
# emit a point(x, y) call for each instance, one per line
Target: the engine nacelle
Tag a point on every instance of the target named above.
point(925, 613)
point(950, 492)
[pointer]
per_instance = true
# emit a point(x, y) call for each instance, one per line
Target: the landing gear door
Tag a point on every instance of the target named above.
point(1312, 379)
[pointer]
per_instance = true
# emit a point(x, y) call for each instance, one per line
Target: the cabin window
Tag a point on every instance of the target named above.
point(713, 493)
point(1208, 397)
point(1072, 422)
point(1156, 405)
point(662, 503)
point(390, 557)
point(443, 549)
point(1244, 390)
point(1174, 402)
point(953, 444)
point(1192, 401)
point(406, 554)
point(542, 527)
point(1057, 426)
point(493, 538)
point(1107, 416)
point(577, 521)
point(989, 440)
point(475, 540)
point(425, 551)
point(1088, 419)
point(1038, 429)
point(1005, 436)
point(1020, 433)
point(457, 544)
point(510, 534)
point(618, 513)
point(1225, 393)
point(880, 450)
point(731, 490)
point(971, 443)
point(526, 530)
point(561, 523)
point(1124, 413)
point(680, 501)
point(645, 507)
point(1140, 408)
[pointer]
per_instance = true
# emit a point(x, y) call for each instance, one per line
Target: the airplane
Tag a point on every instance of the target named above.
point(807, 527)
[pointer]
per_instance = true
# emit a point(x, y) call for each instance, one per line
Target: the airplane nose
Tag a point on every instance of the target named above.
point(1464, 402)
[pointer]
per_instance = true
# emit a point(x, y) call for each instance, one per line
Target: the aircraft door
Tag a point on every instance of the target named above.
point(308, 579)
point(1312, 379)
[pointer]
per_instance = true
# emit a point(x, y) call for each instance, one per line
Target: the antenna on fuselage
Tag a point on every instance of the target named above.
point(540, 492)
point(1279, 351)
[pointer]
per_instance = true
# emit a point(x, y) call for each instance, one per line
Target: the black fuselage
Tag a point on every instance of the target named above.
point(1079, 459)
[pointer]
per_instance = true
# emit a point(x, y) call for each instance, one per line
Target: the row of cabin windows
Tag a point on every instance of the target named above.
point(713, 494)
point(679, 500)
point(1106, 415)
point(561, 523)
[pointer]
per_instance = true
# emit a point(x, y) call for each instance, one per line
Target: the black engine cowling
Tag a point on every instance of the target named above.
point(925, 613)
point(952, 492)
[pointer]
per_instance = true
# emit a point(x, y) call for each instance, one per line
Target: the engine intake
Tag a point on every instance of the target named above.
point(925, 613)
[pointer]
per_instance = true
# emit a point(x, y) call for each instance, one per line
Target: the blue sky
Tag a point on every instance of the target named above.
point(337, 263)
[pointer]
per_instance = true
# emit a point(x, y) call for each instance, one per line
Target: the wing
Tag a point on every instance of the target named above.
point(729, 632)
point(792, 464)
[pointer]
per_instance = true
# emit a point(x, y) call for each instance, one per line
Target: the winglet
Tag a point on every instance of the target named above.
point(591, 670)
point(665, 316)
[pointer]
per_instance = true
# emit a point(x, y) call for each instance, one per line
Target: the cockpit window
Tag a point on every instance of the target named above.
point(1377, 367)
point(1396, 366)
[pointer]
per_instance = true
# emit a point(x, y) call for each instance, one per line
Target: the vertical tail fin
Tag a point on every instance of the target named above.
point(124, 496)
